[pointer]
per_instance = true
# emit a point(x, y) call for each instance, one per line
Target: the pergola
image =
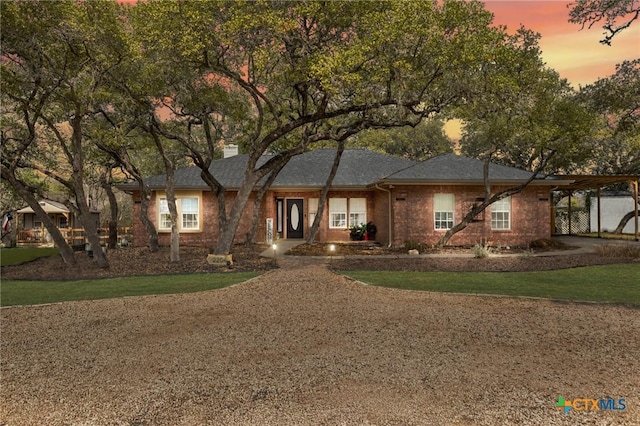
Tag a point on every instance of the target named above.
point(582, 182)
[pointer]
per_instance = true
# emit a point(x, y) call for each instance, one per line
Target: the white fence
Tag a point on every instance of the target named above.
point(611, 211)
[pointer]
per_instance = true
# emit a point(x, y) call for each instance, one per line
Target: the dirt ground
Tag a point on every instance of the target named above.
point(301, 345)
point(139, 261)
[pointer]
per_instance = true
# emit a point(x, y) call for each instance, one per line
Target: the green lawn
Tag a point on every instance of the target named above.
point(38, 292)
point(610, 283)
point(15, 256)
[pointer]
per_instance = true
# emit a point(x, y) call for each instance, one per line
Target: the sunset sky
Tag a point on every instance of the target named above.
point(576, 54)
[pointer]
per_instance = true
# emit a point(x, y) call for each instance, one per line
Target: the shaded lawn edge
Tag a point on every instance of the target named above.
point(20, 255)
point(21, 292)
point(616, 283)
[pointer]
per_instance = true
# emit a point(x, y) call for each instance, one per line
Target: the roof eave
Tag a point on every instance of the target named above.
point(535, 182)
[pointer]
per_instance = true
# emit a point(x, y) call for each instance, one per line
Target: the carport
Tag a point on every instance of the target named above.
point(583, 182)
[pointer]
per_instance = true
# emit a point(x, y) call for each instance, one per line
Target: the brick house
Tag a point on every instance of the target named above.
point(406, 200)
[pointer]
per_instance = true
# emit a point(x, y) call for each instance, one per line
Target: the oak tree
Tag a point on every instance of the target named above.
point(319, 71)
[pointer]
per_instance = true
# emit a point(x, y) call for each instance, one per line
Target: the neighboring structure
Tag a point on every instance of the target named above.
point(32, 230)
point(407, 201)
point(614, 207)
point(230, 150)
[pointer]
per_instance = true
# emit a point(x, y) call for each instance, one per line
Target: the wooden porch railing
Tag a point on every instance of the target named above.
point(73, 236)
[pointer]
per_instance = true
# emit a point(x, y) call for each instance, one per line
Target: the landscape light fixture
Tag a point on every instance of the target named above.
point(274, 246)
point(332, 248)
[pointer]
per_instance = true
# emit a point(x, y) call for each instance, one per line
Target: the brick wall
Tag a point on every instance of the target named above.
point(325, 233)
point(205, 237)
point(381, 216)
point(414, 216)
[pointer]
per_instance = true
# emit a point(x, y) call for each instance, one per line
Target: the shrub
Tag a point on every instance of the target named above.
point(481, 251)
point(414, 245)
point(618, 250)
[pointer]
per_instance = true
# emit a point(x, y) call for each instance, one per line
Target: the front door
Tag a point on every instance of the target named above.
point(295, 218)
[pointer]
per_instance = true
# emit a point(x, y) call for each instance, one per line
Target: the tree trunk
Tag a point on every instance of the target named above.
point(152, 233)
point(623, 222)
point(113, 213)
point(91, 233)
point(77, 180)
point(476, 210)
point(171, 196)
point(90, 226)
point(325, 191)
point(173, 213)
point(228, 224)
point(258, 202)
point(228, 230)
point(122, 157)
point(462, 224)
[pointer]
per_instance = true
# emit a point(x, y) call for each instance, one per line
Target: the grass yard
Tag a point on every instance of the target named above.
point(611, 283)
point(38, 292)
point(18, 255)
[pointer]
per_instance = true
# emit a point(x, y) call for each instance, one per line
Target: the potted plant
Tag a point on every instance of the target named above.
point(371, 231)
point(356, 232)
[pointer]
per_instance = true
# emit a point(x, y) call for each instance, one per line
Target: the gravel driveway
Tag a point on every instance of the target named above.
point(300, 345)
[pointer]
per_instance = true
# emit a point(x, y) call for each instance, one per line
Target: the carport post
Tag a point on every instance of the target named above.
point(635, 206)
point(569, 211)
point(599, 218)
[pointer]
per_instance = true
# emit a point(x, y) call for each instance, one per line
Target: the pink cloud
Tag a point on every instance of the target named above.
point(576, 54)
point(548, 16)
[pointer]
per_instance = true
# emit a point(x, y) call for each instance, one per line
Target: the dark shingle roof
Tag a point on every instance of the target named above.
point(455, 168)
point(358, 168)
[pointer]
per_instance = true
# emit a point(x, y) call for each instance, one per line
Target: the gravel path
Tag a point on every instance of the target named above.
point(300, 345)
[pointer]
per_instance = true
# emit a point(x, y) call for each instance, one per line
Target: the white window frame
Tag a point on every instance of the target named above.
point(164, 216)
point(501, 215)
point(338, 213)
point(357, 211)
point(312, 206)
point(185, 223)
point(443, 211)
point(189, 218)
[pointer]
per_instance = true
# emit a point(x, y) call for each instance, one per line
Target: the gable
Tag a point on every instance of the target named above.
point(48, 206)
